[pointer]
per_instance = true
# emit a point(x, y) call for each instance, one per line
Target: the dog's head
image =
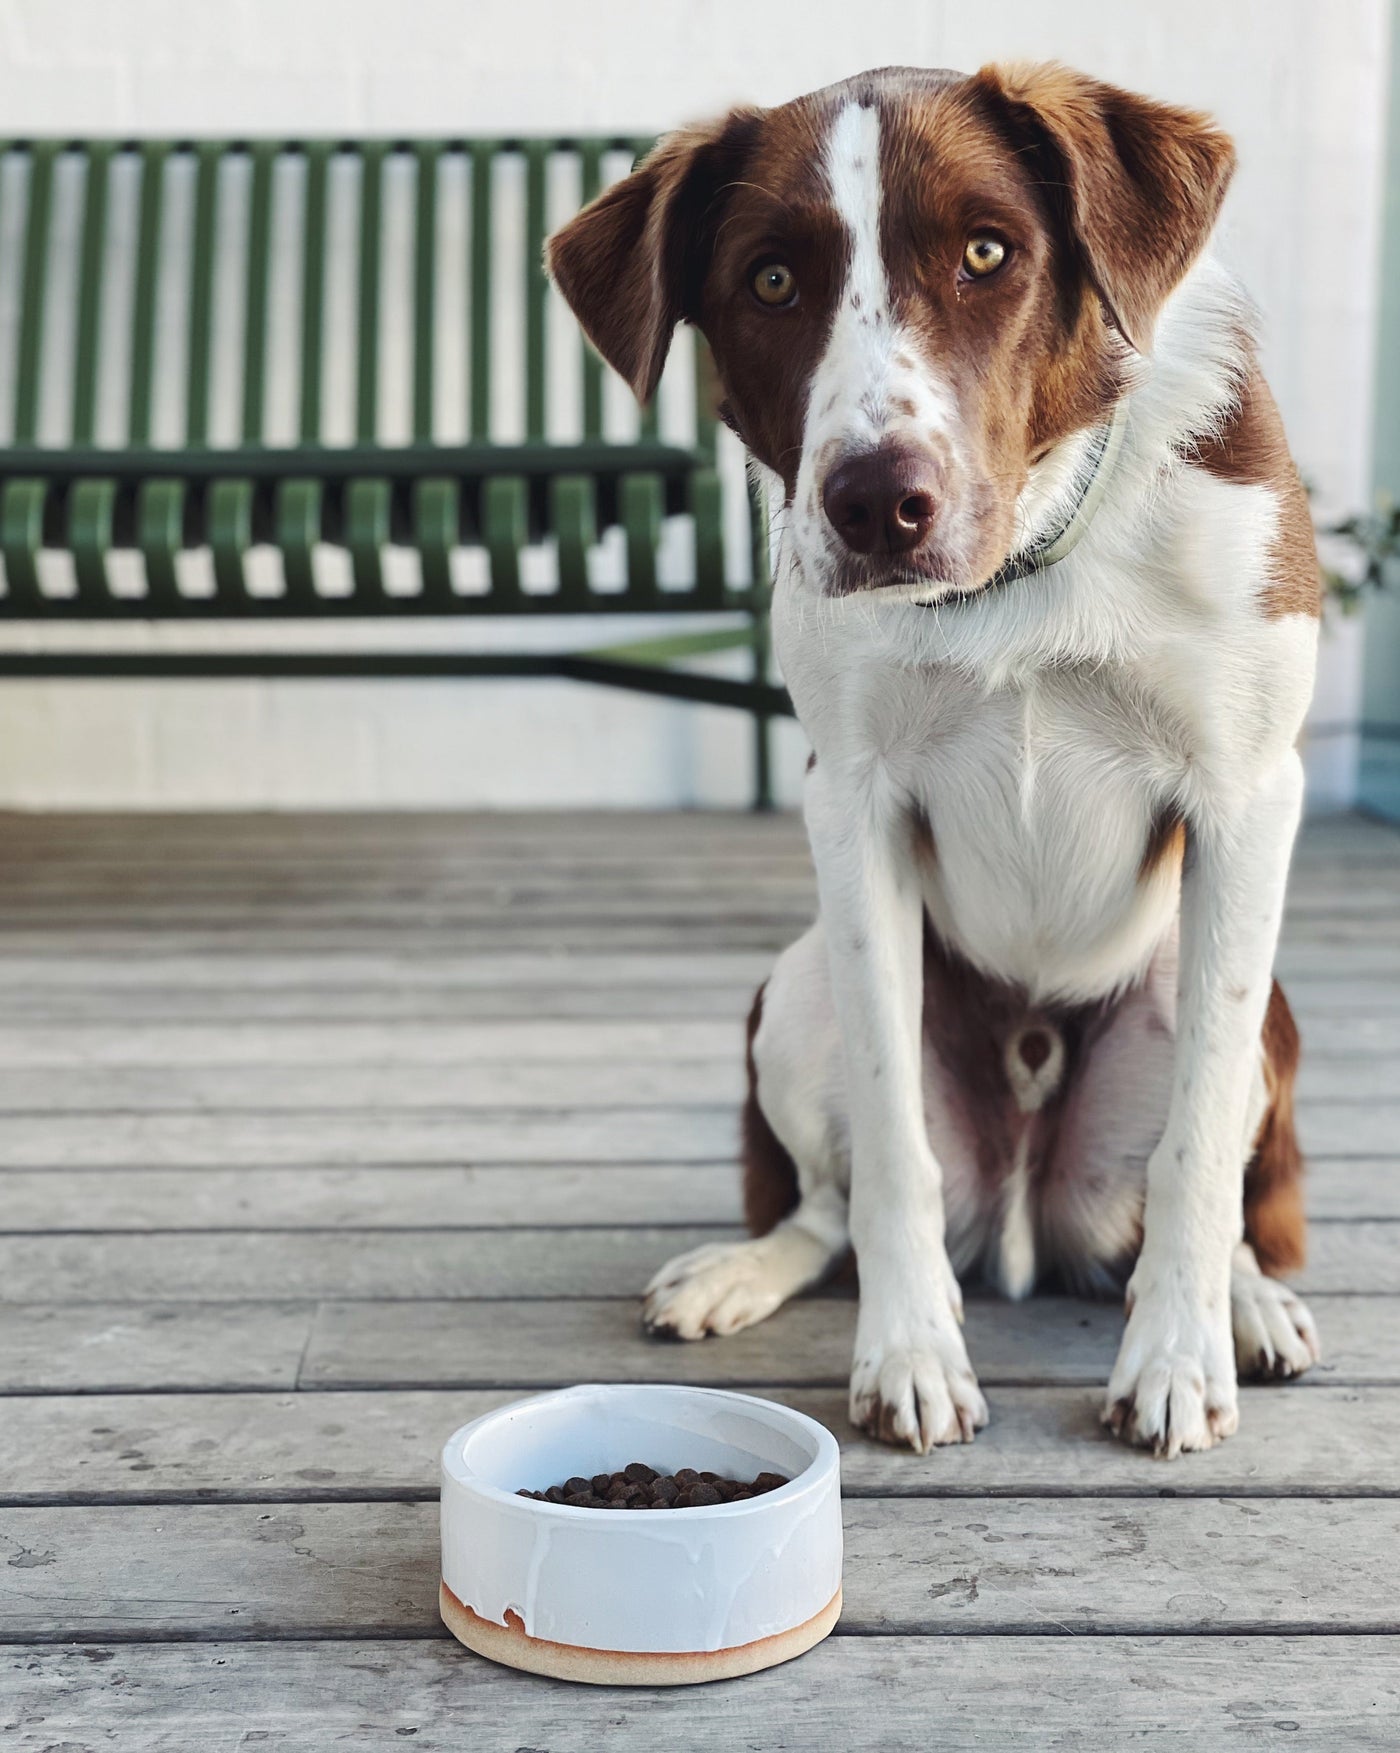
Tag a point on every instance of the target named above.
point(914, 285)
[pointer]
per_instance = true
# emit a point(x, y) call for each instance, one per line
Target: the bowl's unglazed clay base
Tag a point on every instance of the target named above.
point(566, 1661)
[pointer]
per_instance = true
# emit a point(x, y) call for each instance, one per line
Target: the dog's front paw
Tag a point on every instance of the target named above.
point(719, 1288)
point(912, 1383)
point(1173, 1386)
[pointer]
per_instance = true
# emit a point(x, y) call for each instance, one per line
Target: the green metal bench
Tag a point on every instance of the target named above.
point(75, 483)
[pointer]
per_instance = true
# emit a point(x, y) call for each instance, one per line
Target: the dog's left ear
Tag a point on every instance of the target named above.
point(631, 264)
point(1138, 184)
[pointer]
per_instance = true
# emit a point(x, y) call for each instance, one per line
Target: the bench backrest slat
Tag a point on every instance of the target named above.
point(313, 290)
point(90, 280)
point(255, 301)
point(536, 287)
point(426, 153)
point(209, 157)
point(483, 160)
point(367, 328)
point(143, 313)
point(33, 293)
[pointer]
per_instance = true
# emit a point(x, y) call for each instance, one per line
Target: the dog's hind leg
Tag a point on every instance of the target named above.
point(1275, 1336)
point(796, 1165)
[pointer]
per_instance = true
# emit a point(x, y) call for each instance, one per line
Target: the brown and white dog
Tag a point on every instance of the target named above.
point(1047, 604)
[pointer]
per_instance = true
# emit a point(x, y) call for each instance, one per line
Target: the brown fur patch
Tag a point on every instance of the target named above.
point(1274, 1222)
point(1251, 449)
point(1166, 842)
point(925, 846)
point(968, 1019)
point(770, 1175)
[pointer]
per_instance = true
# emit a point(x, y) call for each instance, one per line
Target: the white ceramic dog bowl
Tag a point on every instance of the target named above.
point(659, 1597)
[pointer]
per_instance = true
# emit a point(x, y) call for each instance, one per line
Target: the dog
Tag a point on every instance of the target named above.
point(1047, 601)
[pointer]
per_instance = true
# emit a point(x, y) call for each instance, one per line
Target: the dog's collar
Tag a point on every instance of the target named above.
point(1103, 454)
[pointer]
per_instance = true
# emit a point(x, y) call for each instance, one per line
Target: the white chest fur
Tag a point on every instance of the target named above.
point(1040, 798)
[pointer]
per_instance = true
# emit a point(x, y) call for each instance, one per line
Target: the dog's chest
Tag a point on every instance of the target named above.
point(1047, 861)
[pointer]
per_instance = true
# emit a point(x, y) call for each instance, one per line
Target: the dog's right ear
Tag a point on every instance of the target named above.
point(631, 264)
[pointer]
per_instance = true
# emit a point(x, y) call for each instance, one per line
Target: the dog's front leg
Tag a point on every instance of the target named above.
point(911, 1381)
point(1173, 1386)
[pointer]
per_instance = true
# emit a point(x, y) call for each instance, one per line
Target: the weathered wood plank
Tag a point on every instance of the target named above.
point(610, 904)
point(460, 1135)
point(471, 1004)
point(1352, 1187)
point(284, 1447)
point(1047, 1340)
point(340, 830)
point(1328, 900)
point(1357, 1129)
point(59, 1200)
point(1341, 1058)
point(465, 1136)
point(281, 1087)
point(1359, 1076)
point(82, 962)
point(849, 1695)
point(401, 870)
point(137, 1346)
point(405, 958)
point(386, 1263)
point(1334, 1016)
point(272, 1088)
point(640, 919)
point(1371, 1016)
point(234, 1265)
point(412, 1197)
point(262, 934)
point(91, 1044)
point(1346, 833)
point(121, 1346)
point(1362, 964)
point(1005, 1565)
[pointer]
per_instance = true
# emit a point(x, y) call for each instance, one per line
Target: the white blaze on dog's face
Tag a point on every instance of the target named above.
point(914, 284)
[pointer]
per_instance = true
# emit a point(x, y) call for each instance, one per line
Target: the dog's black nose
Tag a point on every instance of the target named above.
point(885, 501)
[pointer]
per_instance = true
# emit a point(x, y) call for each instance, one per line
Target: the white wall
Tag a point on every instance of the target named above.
point(1300, 83)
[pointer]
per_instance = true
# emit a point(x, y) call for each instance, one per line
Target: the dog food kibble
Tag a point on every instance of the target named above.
point(639, 1487)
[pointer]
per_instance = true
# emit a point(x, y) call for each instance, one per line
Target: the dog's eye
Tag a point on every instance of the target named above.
point(983, 256)
point(775, 284)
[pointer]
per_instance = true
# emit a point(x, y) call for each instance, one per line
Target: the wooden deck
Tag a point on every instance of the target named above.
point(320, 1135)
